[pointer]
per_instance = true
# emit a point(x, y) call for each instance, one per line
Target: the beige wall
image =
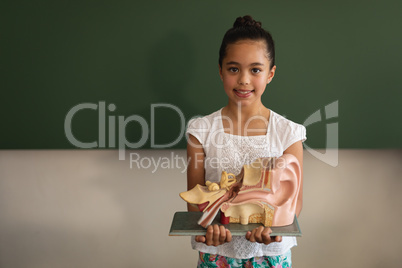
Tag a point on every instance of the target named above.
point(88, 209)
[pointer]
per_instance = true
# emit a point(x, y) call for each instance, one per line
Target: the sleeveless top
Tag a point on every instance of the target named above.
point(227, 152)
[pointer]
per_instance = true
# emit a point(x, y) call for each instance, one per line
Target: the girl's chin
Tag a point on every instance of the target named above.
point(243, 103)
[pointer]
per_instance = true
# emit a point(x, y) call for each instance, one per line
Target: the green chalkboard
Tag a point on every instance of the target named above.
point(139, 70)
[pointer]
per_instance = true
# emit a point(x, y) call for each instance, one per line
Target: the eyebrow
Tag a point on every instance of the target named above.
point(252, 64)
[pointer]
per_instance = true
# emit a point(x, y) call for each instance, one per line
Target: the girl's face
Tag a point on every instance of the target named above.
point(245, 72)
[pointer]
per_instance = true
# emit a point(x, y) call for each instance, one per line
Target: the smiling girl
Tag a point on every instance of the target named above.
point(236, 135)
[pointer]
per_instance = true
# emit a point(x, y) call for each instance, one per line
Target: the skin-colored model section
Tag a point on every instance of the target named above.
point(265, 191)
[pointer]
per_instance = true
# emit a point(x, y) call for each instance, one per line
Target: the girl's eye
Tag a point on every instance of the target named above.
point(255, 70)
point(233, 69)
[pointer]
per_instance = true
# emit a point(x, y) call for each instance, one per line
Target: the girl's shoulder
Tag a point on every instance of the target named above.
point(285, 131)
point(279, 121)
point(202, 127)
point(205, 122)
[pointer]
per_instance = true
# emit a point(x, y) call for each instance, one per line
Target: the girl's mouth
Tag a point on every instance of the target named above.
point(243, 93)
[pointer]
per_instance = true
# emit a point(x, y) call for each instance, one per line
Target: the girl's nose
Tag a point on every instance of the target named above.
point(243, 79)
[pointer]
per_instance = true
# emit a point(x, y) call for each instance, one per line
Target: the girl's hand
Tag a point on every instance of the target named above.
point(216, 235)
point(262, 235)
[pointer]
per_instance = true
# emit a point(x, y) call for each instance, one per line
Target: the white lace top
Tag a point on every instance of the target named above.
point(226, 152)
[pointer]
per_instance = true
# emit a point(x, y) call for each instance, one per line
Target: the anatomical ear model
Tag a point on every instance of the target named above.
point(264, 192)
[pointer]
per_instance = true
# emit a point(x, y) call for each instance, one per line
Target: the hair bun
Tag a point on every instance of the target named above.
point(246, 21)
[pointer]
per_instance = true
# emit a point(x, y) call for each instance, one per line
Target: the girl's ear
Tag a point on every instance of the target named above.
point(271, 74)
point(220, 71)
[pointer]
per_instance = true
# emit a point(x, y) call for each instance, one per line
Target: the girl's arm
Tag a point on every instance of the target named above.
point(261, 234)
point(195, 166)
point(296, 149)
point(216, 235)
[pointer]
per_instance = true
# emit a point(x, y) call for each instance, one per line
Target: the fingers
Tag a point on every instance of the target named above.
point(259, 234)
point(251, 235)
point(216, 235)
point(200, 238)
point(248, 235)
point(278, 238)
point(256, 234)
point(209, 235)
point(222, 235)
point(262, 235)
point(228, 236)
point(265, 236)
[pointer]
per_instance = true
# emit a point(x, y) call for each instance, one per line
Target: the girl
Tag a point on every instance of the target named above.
point(237, 134)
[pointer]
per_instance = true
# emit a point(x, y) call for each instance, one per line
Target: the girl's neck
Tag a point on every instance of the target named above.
point(239, 112)
point(245, 120)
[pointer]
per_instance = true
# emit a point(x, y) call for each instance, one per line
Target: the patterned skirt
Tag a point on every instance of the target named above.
point(207, 260)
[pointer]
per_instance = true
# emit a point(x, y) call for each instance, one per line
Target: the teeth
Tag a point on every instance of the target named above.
point(243, 92)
